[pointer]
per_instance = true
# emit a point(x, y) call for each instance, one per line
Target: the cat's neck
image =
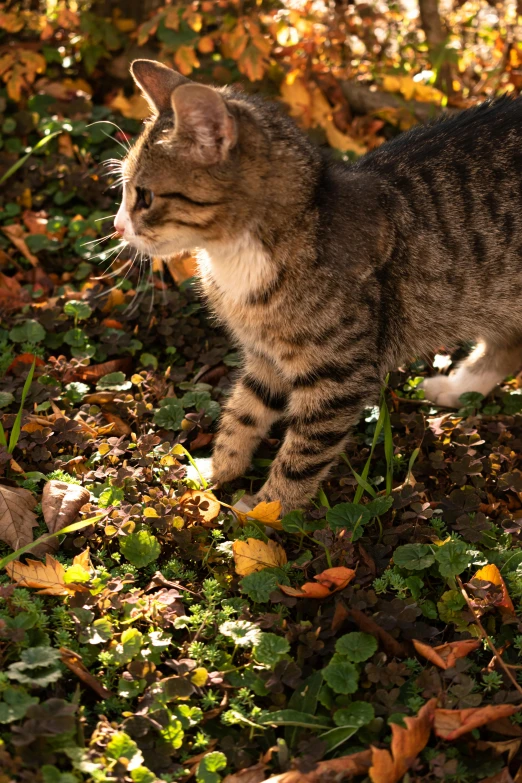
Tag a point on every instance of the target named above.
point(239, 268)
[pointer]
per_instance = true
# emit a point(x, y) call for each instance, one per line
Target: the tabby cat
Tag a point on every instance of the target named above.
point(329, 275)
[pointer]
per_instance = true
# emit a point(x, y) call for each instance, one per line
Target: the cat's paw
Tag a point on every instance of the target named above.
point(228, 465)
point(290, 501)
point(443, 390)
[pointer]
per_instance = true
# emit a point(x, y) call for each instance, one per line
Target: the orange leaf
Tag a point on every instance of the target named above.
point(446, 655)
point(337, 578)
point(450, 724)
point(17, 236)
point(112, 323)
point(186, 59)
point(181, 267)
point(254, 555)
point(389, 766)
point(26, 358)
point(48, 576)
point(490, 573)
point(192, 500)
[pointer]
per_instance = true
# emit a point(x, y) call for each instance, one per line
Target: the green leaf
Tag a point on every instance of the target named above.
point(128, 647)
point(121, 746)
point(414, 557)
point(149, 360)
point(270, 648)
point(356, 646)
point(6, 398)
point(304, 699)
point(143, 775)
point(259, 585)
point(76, 391)
point(114, 381)
point(111, 496)
point(28, 332)
point(173, 734)
point(341, 675)
point(379, 505)
point(38, 666)
point(16, 702)
point(357, 714)
point(349, 516)
point(99, 632)
point(78, 310)
point(336, 737)
point(140, 548)
point(170, 414)
point(453, 558)
point(242, 632)
point(294, 718)
point(209, 766)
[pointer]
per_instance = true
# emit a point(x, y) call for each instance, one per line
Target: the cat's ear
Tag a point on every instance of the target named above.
point(157, 82)
point(203, 122)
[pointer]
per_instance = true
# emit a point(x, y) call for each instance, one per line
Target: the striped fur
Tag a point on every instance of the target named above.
point(328, 275)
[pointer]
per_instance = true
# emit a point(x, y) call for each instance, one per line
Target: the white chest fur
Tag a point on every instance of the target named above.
point(238, 268)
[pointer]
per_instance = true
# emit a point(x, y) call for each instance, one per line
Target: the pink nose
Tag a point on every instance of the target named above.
point(120, 228)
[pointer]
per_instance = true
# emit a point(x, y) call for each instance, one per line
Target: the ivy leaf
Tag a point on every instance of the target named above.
point(6, 398)
point(113, 381)
point(453, 558)
point(414, 557)
point(170, 414)
point(350, 516)
point(259, 584)
point(341, 675)
point(128, 647)
point(38, 666)
point(379, 506)
point(209, 766)
point(28, 332)
point(356, 646)
point(140, 548)
point(242, 632)
point(270, 648)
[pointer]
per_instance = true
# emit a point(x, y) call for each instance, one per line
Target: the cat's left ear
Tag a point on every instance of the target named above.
point(203, 122)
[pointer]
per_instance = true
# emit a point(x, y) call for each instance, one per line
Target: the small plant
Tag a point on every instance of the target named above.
point(17, 426)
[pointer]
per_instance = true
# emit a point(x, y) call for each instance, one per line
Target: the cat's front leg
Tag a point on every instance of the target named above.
point(321, 419)
point(258, 400)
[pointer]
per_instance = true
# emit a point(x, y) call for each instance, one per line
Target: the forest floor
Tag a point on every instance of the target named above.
point(169, 638)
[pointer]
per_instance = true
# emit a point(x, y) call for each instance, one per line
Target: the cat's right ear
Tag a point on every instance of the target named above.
point(157, 82)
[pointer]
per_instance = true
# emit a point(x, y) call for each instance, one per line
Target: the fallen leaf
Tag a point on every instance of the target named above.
point(26, 358)
point(112, 323)
point(339, 769)
point(450, 724)
point(267, 513)
point(48, 577)
point(120, 427)
point(389, 766)
point(97, 371)
point(83, 560)
point(367, 624)
point(17, 236)
point(490, 573)
point(74, 662)
point(192, 499)
point(254, 555)
point(61, 503)
point(12, 295)
point(254, 774)
point(511, 747)
point(65, 145)
point(446, 655)
point(328, 582)
point(17, 518)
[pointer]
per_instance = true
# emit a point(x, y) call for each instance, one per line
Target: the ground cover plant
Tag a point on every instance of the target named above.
point(148, 632)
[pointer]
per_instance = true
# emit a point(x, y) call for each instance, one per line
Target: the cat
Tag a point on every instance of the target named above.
point(329, 275)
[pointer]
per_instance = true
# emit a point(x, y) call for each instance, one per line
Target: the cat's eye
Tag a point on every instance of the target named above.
point(144, 198)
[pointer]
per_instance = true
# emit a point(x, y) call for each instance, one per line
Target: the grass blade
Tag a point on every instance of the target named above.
point(20, 162)
point(388, 448)
point(3, 439)
point(15, 432)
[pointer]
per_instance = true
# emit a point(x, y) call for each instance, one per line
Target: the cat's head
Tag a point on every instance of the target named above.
point(197, 172)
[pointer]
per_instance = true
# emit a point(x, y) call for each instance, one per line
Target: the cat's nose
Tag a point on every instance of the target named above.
point(119, 227)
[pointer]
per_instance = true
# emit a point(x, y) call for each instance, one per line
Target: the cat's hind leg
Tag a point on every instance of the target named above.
point(485, 367)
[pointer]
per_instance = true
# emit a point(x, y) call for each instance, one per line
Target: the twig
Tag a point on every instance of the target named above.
point(484, 635)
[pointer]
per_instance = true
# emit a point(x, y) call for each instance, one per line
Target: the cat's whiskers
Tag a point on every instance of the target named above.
point(126, 147)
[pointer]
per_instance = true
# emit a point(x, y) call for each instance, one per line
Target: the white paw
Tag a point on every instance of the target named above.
point(442, 390)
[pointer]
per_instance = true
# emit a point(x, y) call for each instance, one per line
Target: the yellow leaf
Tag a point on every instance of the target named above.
point(135, 107)
point(83, 560)
point(186, 60)
point(295, 93)
point(151, 512)
point(200, 504)
point(48, 576)
point(425, 92)
point(199, 677)
point(254, 555)
point(267, 513)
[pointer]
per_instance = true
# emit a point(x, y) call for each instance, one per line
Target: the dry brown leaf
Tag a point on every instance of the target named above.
point(17, 518)
point(17, 236)
point(367, 624)
point(338, 770)
point(511, 747)
point(61, 503)
point(254, 555)
point(48, 577)
point(193, 498)
point(96, 371)
point(389, 766)
point(12, 295)
point(450, 724)
point(446, 655)
point(120, 427)
point(74, 662)
point(255, 774)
